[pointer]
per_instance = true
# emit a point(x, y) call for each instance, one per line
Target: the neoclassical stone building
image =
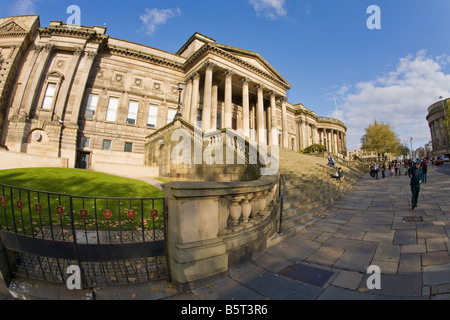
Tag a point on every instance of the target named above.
point(76, 97)
point(440, 137)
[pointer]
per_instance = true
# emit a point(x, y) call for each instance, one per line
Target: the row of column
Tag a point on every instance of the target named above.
point(333, 140)
point(210, 105)
point(438, 134)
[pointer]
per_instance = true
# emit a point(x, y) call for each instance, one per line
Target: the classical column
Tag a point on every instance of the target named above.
point(284, 123)
point(336, 150)
point(260, 115)
point(214, 111)
point(206, 113)
point(245, 107)
point(273, 117)
point(194, 100)
point(228, 98)
point(187, 99)
point(328, 133)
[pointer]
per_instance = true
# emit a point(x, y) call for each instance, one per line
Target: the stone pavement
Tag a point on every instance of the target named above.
point(372, 224)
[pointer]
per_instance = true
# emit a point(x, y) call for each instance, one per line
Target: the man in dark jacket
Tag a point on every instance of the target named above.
point(416, 175)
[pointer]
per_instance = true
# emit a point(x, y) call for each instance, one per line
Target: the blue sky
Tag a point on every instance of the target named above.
point(322, 47)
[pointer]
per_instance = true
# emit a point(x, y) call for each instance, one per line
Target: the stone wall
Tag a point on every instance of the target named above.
point(213, 226)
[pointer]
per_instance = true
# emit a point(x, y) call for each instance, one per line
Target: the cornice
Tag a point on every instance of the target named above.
point(73, 32)
point(212, 48)
point(124, 52)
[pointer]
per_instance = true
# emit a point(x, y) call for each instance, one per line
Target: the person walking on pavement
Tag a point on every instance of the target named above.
point(424, 167)
point(416, 175)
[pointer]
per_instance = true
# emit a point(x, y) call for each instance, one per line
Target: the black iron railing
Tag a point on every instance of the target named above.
point(282, 189)
point(113, 240)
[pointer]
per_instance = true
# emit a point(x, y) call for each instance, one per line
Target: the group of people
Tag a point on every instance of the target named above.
point(416, 170)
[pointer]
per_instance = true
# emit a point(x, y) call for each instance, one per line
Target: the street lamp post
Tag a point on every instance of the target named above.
point(411, 148)
point(180, 88)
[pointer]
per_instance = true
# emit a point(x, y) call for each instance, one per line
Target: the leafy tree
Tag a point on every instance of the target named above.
point(380, 138)
point(447, 116)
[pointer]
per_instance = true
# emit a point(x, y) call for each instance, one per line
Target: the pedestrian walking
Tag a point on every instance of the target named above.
point(424, 166)
point(331, 162)
point(383, 167)
point(416, 175)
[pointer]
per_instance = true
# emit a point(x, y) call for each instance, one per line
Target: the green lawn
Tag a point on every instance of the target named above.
point(77, 182)
point(52, 187)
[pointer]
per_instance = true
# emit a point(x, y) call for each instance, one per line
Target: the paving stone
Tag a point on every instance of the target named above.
point(308, 274)
point(246, 272)
point(387, 252)
point(435, 258)
point(335, 293)
point(380, 236)
point(431, 232)
point(272, 262)
point(410, 263)
point(225, 289)
point(386, 267)
point(440, 289)
point(354, 260)
point(435, 244)
point(405, 237)
point(348, 279)
point(325, 255)
point(437, 274)
point(400, 285)
point(277, 287)
point(349, 232)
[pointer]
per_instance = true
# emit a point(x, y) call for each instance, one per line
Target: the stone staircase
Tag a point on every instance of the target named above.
point(309, 187)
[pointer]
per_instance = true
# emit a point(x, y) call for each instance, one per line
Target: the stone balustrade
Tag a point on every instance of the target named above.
point(213, 226)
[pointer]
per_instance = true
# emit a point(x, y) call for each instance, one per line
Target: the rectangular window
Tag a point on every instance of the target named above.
point(49, 96)
point(171, 114)
point(152, 115)
point(128, 147)
point(85, 142)
point(132, 112)
point(91, 106)
point(113, 104)
point(106, 145)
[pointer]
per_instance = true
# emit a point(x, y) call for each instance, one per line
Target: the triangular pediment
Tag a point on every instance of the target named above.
point(13, 26)
point(254, 59)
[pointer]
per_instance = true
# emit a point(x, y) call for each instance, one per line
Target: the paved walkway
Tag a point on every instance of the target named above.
point(372, 224)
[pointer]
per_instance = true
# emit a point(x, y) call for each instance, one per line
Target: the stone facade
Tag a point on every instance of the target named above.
point(439, 135)
point(78, 94)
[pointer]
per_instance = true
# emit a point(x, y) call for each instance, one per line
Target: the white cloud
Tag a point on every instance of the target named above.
point(155, 17)
point(269, 8)
point(400, 98)
point(23, 7)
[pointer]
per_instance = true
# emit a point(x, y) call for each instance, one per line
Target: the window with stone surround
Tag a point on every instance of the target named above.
point(91, 106)
point(49, 96)
point(128, 147)
point(152, 115)
point(106, 144)
point(132, 112)
point(111, 112)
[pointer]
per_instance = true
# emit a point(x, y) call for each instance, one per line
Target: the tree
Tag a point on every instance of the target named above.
point(380, 138)
point(447, 116)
